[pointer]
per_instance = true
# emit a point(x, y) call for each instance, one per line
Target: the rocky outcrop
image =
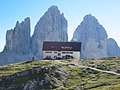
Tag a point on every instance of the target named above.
point(52, 26)
point(35, 79)
point(18, 39)
point(20, 46)
point(112, 48)
point(93, 37)
point(18, 43)
point(95, 42)
point(61, 75)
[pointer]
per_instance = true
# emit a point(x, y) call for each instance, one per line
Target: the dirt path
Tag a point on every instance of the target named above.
point(76, 63)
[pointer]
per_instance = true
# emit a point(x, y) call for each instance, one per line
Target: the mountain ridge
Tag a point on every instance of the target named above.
point(52, 26)
point(94, 38)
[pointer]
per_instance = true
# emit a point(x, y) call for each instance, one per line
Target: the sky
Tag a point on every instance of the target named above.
point(106, 11)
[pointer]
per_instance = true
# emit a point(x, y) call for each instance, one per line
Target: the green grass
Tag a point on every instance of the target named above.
point(110, 65)
point(11, 69)
point(88, 79)
point(83, 78)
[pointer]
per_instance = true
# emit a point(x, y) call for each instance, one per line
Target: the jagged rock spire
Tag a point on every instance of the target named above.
point(52, 26)
point(18, 39)
point(93, 37)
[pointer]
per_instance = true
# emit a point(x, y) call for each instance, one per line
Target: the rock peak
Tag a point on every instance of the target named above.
point(93, 37)
point(89, 17)
point(52, 26)
point(18, 39)
point(17, 23)
point(112, 48)
point(53, 10)
point(27, 19)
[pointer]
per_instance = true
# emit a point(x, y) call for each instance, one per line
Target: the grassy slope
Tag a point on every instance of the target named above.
point(13, 68)
point(83, 78)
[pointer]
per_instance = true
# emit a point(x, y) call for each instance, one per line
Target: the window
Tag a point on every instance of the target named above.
point(67, 52)
point(55, 57)
point(63, 57)
point(48, 52)
point(59, 54)
point(49, 56)
point(55, 52)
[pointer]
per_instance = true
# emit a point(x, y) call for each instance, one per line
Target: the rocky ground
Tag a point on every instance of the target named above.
point(61, 75)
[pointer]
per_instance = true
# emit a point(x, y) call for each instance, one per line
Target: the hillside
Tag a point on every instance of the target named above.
point(61, 75)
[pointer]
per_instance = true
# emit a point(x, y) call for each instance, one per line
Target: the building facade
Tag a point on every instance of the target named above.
point(61, 50)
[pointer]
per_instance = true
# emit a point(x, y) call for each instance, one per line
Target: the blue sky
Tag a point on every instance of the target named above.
point(106, 11)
